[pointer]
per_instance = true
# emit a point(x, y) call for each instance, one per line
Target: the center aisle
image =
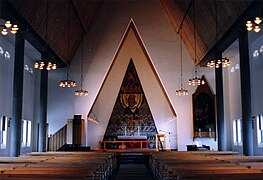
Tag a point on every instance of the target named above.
point(133, 166)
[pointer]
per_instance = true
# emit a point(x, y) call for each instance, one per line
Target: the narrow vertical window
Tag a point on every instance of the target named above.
point(28, 134)
point(237, 132)
point(26, 140)
point(260, 128)
point(3, 132)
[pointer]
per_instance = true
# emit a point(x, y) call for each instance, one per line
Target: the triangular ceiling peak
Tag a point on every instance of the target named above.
point(130, 47)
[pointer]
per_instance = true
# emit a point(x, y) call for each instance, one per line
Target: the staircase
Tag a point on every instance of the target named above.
point(70, 137)
point(133, 166)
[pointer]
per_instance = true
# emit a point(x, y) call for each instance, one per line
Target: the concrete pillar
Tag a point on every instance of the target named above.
point(245, 94)
point(15, 144)
point(42, 142)
point(221, 139)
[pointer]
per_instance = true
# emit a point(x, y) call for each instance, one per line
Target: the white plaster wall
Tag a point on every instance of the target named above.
point(158, 104)
point(6, 76)
point(30, 88)
point(232, 94)
point(256, 66)
point(31, 83)
point(101, 44)
point(6, 87)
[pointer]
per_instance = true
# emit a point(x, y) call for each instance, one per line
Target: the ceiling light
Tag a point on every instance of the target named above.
point(68, 82)
point(255, 25)
point(44, 64)
point(257, 29)
point(224, 62)
point(257, 20)
point(181, 91)
point(81, 92)
point(6, 27)
point(195, 80)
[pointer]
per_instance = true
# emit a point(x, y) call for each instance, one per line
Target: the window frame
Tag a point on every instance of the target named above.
point(26, 133)
point(3, 132)
point(237, 132)
point(259, 119)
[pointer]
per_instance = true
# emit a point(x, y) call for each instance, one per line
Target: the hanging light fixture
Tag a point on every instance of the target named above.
point(181, 91)
point(68, 82)
point(45, 63)
point(195, 80)
point(217, 62)
point(6, 25)
point(255, 25)
point(81, 92)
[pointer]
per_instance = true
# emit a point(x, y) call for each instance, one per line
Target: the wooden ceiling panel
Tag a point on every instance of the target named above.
point(84, 12)
point(87, 10)
point(228, 12)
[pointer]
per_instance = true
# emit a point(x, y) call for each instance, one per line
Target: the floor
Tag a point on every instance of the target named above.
point(133, 166)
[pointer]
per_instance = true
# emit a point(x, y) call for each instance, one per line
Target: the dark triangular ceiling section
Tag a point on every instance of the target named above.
point(229, 11)
point(82, 14)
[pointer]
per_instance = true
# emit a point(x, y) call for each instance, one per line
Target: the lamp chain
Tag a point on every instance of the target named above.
point(181, 50)
point(46, 37)
point(68, 26)
point(81, 76)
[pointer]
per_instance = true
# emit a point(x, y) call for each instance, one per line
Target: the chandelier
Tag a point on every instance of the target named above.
point(216, 63)
point(41, 64)
point(81, 92)
point(256, 24)
point(195, 80)
point(67, 82)
point(181, 91)
point(224, 62)
point(6, 27)
point(45, 63)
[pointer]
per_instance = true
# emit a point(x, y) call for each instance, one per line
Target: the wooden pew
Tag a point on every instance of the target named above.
point(204, 165)
point(68, 165)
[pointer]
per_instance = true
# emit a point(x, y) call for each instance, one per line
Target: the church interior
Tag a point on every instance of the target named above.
point(132, 89)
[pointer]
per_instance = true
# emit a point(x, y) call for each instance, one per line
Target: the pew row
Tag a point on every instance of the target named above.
point(62, 165)
point(205, 165)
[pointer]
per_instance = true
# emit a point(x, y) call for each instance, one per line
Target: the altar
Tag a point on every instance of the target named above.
point(127, 142)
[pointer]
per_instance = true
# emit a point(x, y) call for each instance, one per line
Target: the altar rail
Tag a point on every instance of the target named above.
point(122, 144)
